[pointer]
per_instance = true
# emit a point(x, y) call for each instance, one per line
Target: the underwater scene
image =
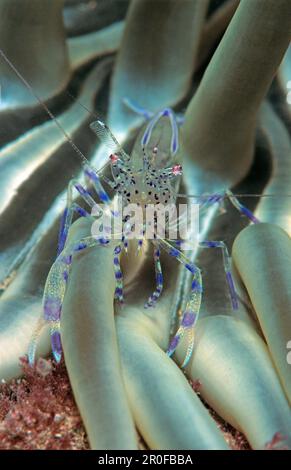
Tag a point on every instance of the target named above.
point(145, 222)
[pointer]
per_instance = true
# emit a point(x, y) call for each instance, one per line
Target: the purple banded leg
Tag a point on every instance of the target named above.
point(52, 302)
point(189, 317)
point(84, 193)
point(55, 289)
point(118, 295)
point(148, 132)
point(66, 223)
point(71, 208)
point(159, 280)
point(191, 313)
point(241, 208)
point(206, 201)
point(227, 268)
point(95, 180)
point(136, 108)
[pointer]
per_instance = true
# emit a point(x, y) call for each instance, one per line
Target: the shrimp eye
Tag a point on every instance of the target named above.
point(113, 158)
point(177, 170)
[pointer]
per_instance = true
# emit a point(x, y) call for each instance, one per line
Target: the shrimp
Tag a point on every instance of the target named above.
point(147, 179)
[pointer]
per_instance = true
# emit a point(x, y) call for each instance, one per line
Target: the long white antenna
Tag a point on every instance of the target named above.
point(42, 103)
point(236, 195)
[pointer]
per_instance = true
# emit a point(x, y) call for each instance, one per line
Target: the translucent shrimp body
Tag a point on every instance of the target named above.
point(145, 180)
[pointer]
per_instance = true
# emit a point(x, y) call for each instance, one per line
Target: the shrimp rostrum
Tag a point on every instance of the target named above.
point(145, 182)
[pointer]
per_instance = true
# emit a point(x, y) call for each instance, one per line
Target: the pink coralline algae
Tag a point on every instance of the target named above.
point(38, 411)
point(278, 442)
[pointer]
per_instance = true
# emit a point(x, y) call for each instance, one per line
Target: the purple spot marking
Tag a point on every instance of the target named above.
point(195, 285)
point(80, 247)
point(215, 198)
point(52, 309)
point(190, 267)
point(118, 275)
point(80, 189)
point(211, 244)
point(67, 259)
point(82, 212)
point(118, 291)
point(174, 343)
point(103, 196)
point(174, 252)
point(56, 342)
point(66, 275)
point(159, 278)
point(103, 241)
point(188, 319)
point(166, 112)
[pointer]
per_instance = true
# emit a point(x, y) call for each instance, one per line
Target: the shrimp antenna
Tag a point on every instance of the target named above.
point(206, 196)
point(89, 111)
point(42, 103)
